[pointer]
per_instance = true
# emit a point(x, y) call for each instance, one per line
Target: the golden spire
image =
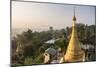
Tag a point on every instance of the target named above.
point(74, 52)
point(74, 18)
point(19, 49)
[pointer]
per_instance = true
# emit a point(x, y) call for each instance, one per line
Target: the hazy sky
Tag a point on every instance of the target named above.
point(42, 15)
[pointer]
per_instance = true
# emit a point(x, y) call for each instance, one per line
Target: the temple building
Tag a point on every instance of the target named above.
point(50, 55)
point(74, 52)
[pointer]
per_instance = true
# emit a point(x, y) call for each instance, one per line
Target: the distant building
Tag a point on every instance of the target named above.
point(50, 55)
point(52, 41)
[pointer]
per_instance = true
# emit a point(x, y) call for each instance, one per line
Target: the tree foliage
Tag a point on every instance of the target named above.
point(34, 42)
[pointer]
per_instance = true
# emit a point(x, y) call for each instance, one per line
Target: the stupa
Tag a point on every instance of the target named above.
point(74, 53)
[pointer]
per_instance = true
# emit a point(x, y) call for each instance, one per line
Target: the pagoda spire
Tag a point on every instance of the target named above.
point(74, 18)
point(74, 52)
point(19, 49)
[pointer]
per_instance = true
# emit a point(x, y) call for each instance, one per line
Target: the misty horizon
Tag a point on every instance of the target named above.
point(40, 16)
point(43, 15)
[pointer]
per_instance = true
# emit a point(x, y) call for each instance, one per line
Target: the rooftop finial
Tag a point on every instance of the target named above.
point(74, 10)
point(74, 18)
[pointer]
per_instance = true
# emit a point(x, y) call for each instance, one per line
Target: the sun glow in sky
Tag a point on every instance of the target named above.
point(35, 15)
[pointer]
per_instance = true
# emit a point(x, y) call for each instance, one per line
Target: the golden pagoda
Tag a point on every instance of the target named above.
point(19, 49)
point(74, 52)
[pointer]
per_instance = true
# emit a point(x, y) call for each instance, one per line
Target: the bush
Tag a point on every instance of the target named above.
point(39, 59)
point(28, 61)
